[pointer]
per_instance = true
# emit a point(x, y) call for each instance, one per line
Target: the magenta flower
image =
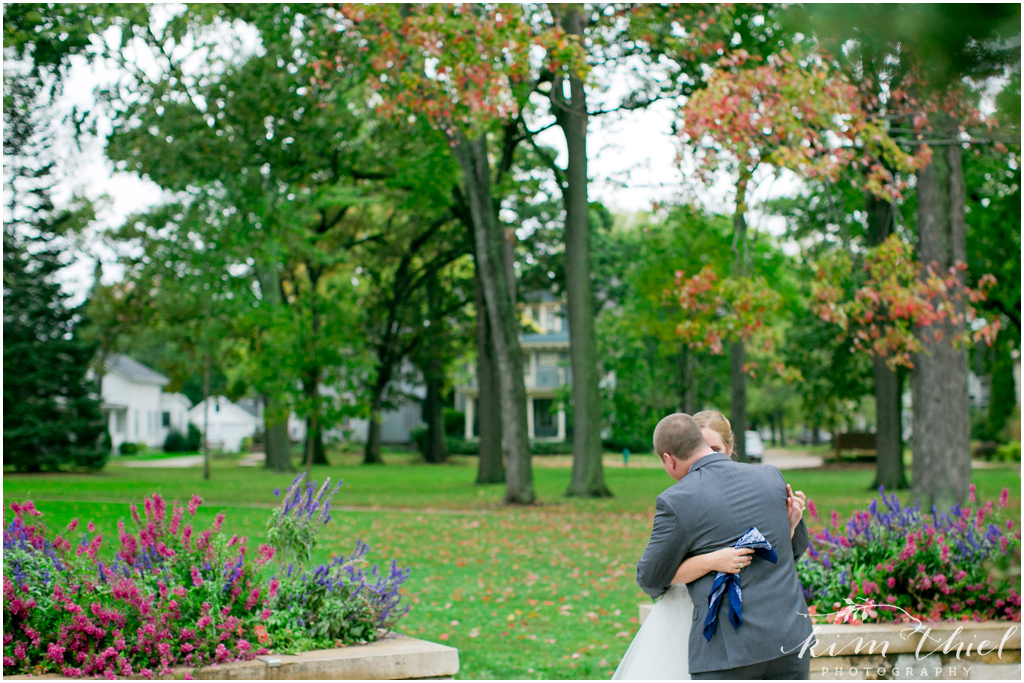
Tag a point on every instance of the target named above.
point(193, 505)
point(1004, 498)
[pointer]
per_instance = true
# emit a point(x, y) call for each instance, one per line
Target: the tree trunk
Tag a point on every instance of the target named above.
point(278, 456)
point(314, 448)
point(372, 454)
point(436, 450)
point(737, 352)
point(491, 467)
point(941, 441)
point(889, 447)
point(738, 418)
point(207, 371)
point(501, 316)
point(782, 428)
point(687, 397)
point(587, 470)
point(771, 425)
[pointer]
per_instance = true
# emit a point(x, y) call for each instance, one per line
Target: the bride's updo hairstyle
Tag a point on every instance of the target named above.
point(715, 421)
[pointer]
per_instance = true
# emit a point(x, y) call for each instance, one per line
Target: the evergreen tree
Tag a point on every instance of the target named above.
point(52, 413)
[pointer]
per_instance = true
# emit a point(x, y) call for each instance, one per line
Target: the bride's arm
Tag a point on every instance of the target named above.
point(728, 560)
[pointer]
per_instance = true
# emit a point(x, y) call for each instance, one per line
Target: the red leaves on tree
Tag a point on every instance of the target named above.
point(900, 302)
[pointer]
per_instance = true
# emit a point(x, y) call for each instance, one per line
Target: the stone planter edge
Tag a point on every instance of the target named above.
point(397, 657)
point(940, 650)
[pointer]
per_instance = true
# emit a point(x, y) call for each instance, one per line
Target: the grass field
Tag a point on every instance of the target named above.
point(542, 592)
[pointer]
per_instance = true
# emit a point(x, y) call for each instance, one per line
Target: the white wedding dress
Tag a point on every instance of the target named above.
point(661, 648)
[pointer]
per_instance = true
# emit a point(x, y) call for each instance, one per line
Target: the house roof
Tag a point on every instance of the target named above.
point(228, 412)
point(249, 405)
point(134, 370)
point(174, 396)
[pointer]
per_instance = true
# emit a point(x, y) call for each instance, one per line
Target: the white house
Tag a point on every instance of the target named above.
point(229, 423)
point(174, 413)
point(131, 399)
point(545, 370)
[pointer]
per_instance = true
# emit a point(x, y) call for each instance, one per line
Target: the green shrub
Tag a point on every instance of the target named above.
point(176, 442)
point(459, 446)
point(419, 437)
point(128, 448)
point(194, 438)
point(635, 444)
point(1008, 453)
point(551, 447)
point(454, 422)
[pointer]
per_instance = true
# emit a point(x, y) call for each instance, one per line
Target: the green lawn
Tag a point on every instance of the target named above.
point(545, 592)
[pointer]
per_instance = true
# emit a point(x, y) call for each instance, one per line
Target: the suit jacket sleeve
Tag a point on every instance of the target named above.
point(800, 540)
point(665, 551)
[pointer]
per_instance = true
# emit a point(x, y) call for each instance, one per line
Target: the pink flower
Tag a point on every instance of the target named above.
point(176, 519)
point(835, 519)
point(812, 509)
point(55, 653)
point(944, 553)
point(218, 521)
point(891, 582)
point(1004, 498)
point(91, 527)
point(254, 598)
point(193, 505)
point(972, 488)
point(197, 578)
point(274, 585)
point(72, 525)
point(94, 546)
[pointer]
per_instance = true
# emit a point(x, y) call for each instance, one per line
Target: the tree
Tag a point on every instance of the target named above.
point(936, 50)
point(430, 68)
point(52, 415)
point(790, 113)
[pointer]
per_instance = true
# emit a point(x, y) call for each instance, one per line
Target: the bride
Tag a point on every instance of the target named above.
point(660, 649)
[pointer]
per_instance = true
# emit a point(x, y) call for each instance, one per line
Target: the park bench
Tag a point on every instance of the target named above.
point(854, 443)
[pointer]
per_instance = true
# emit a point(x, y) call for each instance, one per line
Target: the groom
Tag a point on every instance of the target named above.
point(713, 503)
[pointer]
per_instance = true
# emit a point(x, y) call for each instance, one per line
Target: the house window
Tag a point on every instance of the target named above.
point(547, 359)
point(216, 407)
point(166, 419)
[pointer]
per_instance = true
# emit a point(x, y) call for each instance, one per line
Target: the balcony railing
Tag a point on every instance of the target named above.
point(543, 378)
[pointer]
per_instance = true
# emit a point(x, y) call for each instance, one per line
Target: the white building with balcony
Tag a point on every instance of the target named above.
point(546, 371)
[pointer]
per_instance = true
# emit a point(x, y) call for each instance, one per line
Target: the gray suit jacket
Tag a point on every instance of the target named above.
point(709, 509)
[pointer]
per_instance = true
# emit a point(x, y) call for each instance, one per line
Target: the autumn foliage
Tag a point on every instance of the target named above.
point(798, 114)
point(718, 311)
point(899, 303)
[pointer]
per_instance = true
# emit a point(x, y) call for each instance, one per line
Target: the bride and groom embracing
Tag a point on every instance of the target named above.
point(722, 559)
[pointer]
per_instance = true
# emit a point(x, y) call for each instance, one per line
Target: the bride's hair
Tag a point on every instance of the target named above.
point(714, 420)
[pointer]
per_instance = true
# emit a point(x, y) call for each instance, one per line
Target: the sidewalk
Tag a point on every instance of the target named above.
point(791, 460)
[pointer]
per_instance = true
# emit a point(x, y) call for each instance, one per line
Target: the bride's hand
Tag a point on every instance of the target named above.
point(730, 560)
point(795, 504)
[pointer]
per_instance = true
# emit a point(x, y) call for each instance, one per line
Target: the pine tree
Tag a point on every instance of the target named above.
point(52, 415)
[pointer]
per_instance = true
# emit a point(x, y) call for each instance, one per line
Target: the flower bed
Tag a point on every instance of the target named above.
point(899, 564)
point(173, 595)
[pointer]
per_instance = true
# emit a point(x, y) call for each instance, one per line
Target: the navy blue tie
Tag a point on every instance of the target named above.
point(729, 584)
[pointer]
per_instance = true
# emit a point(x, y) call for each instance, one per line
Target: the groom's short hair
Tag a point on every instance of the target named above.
point(678, 435)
